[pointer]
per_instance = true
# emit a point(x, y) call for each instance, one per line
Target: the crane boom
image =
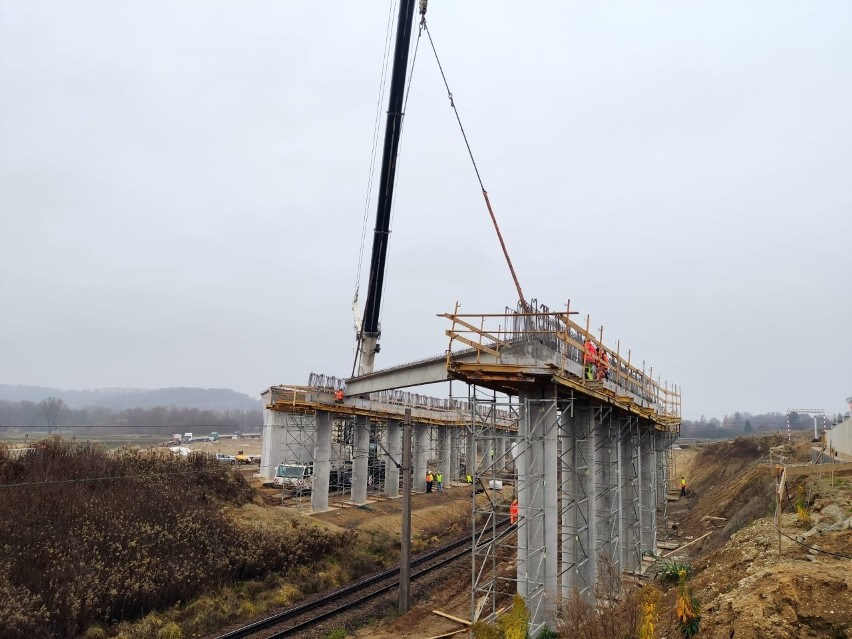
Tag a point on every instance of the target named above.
point(368, 338)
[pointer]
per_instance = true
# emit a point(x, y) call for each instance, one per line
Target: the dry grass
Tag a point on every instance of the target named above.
point(89, 537)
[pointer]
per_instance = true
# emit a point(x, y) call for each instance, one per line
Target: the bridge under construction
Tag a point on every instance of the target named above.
point(587, 457)
point(578, 433)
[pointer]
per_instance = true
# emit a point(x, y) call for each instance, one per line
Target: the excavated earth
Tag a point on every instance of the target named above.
point(746, 588)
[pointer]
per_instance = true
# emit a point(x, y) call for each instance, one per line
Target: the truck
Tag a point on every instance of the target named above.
point(297, 477)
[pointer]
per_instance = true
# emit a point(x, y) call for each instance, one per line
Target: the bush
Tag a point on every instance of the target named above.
point(670, 571)
point(90, 535)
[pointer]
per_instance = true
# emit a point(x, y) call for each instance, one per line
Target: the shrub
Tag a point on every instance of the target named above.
point(135, 532)
point(670, 570)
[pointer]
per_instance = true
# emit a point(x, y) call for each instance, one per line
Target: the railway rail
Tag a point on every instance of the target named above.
point(303, 616)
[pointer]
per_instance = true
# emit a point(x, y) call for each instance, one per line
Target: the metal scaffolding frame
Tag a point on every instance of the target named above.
point(490, 586)
point(588, 483)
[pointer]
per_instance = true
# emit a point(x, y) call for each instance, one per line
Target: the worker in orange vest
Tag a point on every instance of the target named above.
point(429, 479)
point(603, 365)
point(590, 358)
point(338, 396)
point(513, 512)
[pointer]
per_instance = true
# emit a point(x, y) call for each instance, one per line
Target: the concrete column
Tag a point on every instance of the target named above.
point(360, 459)
point(394, 459)
point(322, 463)
point(501, 449)
point(445, 446)
point(537, 490)
point(661, 446)
point(591, 571)
point(578, 510)
point(550, 457)
point(606, 491)
point(272, 443)
point(568, 508)
point(648, 484)
point(420, 455)
point(628, 469)
point(454, 473)
point(471, 465)
point(524, 495)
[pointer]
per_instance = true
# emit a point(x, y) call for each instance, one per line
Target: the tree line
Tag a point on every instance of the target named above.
point(53, 413)
point(745, 424)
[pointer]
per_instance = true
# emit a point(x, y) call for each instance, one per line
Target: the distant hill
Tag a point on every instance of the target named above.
point(220, 399)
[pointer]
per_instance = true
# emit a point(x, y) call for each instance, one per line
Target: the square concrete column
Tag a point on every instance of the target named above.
point(537, 569)
point(445, 446)
point(628, 469)
point(648, 486)
point(471, 465)
point(591, 571)
point(662, 442)
point(501, 449)
point(394, 459)
point(453, 474)
point(420, 454)
point(322, 463)
point(578, 508)
point(272, 443)
point(360, 460)
point(568, 508)
point(606, 491)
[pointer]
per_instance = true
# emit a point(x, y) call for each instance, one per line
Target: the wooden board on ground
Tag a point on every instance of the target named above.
point(448, 616)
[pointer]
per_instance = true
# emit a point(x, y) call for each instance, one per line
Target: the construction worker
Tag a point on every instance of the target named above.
point(468, 479)
point(338, 396)
point(590, 358)
point(683, 486)
point(513, 512)
point(603, 364)
point(439, 478)
point(429, 479)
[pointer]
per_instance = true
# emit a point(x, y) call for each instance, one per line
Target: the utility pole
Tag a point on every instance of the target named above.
point(405, 551)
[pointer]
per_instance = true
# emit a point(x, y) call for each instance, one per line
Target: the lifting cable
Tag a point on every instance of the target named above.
point(521, 297)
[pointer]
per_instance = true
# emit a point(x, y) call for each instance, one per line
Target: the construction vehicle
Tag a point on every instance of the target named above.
point(297, 477)
point(242, 458)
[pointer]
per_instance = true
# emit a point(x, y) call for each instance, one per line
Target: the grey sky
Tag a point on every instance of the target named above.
point(182, 188)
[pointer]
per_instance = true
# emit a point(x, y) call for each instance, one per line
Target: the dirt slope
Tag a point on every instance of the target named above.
point(747, 590)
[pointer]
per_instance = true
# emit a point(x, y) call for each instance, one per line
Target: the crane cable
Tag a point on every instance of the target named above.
point(521, 297)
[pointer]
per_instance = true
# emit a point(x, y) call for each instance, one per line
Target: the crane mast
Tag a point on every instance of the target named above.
point(368, 338)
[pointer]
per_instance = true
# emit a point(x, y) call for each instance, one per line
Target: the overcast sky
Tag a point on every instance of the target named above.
point(182, 188)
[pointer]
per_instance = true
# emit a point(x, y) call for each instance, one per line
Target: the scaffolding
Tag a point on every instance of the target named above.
point(588, 480)
point(492, 449)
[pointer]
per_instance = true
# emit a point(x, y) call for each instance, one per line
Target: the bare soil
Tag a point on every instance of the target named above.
point(747, 589)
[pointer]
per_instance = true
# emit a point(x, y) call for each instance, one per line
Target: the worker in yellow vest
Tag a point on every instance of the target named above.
point(683, 486)
point(439, 479)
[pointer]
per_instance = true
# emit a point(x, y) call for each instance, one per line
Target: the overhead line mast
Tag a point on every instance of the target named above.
point(368, 339)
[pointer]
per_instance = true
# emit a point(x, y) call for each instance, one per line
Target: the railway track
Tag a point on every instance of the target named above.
point(303, 616)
